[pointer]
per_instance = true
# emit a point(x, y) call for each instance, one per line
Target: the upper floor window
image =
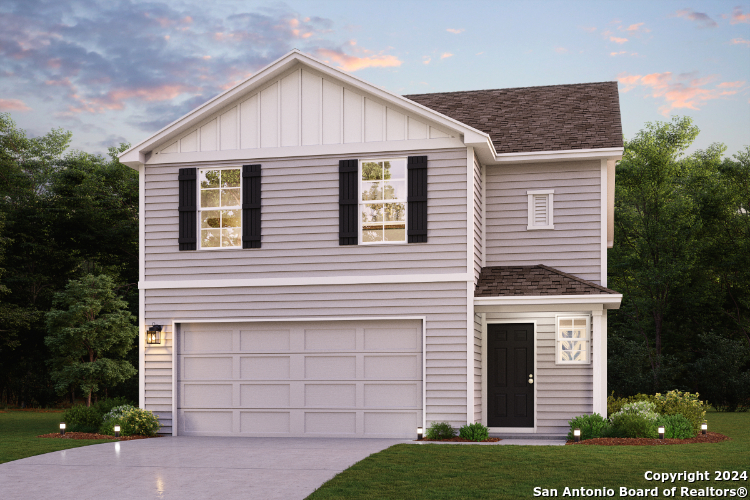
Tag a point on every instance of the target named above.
point(382, 195)
point(220, 208)
point(540, 209)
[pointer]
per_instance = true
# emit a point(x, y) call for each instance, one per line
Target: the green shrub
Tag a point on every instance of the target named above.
point(676, 427)
point(474, 432)
point(108, 427)
point(614, 404)
point(140, 422)
point(592, 426)
point(633, 425)
point(683, 403)
point(117, 412)
point(82, 418)
point(440, 430)
point(105, 405)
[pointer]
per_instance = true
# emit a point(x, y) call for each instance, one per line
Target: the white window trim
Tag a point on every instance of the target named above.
point(550, 204)
point(587, 339)
point(198, 210)
point(360, 203)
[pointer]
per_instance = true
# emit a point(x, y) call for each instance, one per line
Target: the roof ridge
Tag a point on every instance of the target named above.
point(513, 88)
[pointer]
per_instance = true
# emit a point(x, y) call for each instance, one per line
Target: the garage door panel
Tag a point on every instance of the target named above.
point(317, 378)
point(344, 339)
point(207, 368)
point(265, 367)
point(265, 340)
point(265, 395)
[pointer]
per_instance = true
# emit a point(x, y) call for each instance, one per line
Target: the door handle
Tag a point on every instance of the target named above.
point(531, 378)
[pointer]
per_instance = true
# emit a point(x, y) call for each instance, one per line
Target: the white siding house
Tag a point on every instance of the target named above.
point(325, 258)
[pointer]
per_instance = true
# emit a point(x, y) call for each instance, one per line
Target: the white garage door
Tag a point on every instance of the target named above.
point(334, 378)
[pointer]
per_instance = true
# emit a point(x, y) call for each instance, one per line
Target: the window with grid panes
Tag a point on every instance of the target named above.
point(573, 340)
point(220, 208)
point(382, 189)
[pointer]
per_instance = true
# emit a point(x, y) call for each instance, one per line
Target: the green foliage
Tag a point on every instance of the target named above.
point(614, 404)
point(107, 428)
point(90, 331)
point(676, 427)
point(682, 403)
point(592, 426)
point(474, 432)
point(105, 406)
point(718, 372)
point(117, 412)
point(81, 418)
point(139, 422)
point(632, 425)
point(440, 430)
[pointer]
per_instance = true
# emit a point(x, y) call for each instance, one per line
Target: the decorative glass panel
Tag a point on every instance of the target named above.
point(573, 356)
point(572, 343)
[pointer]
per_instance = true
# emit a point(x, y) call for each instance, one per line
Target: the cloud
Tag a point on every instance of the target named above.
point(13, 105)
point(619, 41)
point(740, 41)
point(454, 31)
point(635, 28)
point(426, 60)
point(739, 17)
point(354, 63)
point(703, 20)
point(618, 53)
point(681, 91)
point(445, 55)
point(561, 50)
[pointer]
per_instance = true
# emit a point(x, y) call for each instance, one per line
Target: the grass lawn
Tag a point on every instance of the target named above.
point(499, 472)
point(19, 431)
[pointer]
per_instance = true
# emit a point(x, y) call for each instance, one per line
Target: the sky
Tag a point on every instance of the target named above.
point(117, 71)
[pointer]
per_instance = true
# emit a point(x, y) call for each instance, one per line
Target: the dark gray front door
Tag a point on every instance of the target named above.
point(510, 375)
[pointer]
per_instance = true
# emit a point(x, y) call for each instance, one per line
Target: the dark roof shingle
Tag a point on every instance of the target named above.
point(552, 118)
point(503, 281)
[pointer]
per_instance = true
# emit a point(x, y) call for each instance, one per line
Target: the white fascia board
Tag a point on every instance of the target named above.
point(304, 151)
point(273, 70)
point(609, 301)
point(570, 154)
point(307, 281)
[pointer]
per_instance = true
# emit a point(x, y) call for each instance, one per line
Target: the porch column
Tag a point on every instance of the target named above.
point(599, 360)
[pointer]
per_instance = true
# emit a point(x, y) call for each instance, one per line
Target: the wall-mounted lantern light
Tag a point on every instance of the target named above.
point(704, 427)
point(153, 335)
point(62, 428)
point(117, 431)
point(420, 433)
point(661, 432)
point(577, 435)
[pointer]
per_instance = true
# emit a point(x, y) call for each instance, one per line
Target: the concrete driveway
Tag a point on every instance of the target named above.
point(186, 468)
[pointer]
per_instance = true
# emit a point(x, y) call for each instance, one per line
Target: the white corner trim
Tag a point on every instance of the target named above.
point(470, 285)
point(306, 281)
point(141, 295)
point(609, 300)
point(604, 220)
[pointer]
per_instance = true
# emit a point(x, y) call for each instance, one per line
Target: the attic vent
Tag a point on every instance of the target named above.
point(540, 209)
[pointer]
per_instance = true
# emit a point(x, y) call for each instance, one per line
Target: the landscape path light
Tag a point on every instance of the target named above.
point(117, 431)
point(661, 432)
point(704, 427)
point(62, 428)
point(420, 433)
point(577, 435)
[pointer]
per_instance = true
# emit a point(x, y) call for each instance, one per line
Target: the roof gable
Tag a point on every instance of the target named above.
point(550, 118)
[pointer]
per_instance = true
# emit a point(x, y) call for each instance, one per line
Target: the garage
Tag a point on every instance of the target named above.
point(299, 378)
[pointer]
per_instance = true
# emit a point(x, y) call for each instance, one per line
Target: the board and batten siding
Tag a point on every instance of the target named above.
point(562, 391)
point(478, 216)
point(302, 108)
point(443, 305)
point(574, 245)
point(300, 210)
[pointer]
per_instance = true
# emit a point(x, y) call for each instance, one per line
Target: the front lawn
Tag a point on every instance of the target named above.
point(499, 472)
point(19, 431)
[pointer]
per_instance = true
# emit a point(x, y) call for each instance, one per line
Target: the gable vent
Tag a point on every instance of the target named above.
point(540, 209)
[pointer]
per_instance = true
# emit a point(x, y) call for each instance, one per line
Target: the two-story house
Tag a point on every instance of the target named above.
point(326, 258)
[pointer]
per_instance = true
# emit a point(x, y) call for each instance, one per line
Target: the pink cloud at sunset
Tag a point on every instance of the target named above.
point(703, 20)
point(635, 28)
point(617, 40)
point(445, 55)
point(354, 63)
point(13, 105)
point(739, 17)
point(115, 99)
point(740, 41)
point(679, 91)
point(454, 31)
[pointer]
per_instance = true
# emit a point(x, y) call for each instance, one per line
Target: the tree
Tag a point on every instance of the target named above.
point(90, 332)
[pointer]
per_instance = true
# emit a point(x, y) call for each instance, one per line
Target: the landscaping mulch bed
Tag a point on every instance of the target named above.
point(463, 440)
point(710, 437)
point(90, 435)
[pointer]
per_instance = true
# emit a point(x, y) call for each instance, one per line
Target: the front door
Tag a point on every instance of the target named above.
point(510, 375)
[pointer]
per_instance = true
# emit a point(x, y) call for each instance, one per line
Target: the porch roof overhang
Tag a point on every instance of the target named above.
point(545, 302)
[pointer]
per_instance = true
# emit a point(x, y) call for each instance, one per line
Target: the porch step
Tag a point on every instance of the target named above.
point(539, 437)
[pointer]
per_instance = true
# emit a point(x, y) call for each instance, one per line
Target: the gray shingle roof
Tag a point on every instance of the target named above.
point(552, 118)
point(503, 281)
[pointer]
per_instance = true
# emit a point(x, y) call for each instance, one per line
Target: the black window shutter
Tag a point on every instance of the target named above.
point(251, 206)
point(187, 208)
point(417, 199)
point(348, 194)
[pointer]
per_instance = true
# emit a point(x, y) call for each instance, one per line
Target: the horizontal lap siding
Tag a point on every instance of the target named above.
point(574, 246)
point(443, 304)
point(300, 210)
point(562, 391)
